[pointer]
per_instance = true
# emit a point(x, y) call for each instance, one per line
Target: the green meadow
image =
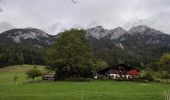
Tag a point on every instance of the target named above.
point(65, 90)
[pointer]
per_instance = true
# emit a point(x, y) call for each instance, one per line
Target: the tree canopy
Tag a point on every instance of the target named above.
point(161, 67)
point(34, 72)
point(14, 54)
point(71, 55)
point(165, 62)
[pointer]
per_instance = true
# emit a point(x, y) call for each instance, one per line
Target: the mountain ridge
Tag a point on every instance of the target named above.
point(119, 31)
point(140, 43)
point(27, 35)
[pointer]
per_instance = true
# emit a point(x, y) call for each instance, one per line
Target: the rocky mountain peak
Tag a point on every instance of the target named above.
point(99, 27)
point(26, 33)
point(116, 33)
point(98, 32)
point(139, 29)
point(33, 36)
point(144, 30)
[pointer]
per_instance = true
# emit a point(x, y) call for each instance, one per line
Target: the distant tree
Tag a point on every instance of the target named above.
point(34, 72)
point(153, 66)
point(100, 65)
point(3, 60)
point(71, 55)
point(148, 76)
point(161, 68)
point(16, 54)
point(164, 76)
point(165, 62)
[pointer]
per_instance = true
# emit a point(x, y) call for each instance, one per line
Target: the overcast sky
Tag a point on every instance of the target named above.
point(54, 16)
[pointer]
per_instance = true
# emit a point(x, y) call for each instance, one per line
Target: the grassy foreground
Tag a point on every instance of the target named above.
point(94, 90)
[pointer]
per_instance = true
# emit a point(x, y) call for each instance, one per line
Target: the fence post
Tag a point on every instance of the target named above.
point(167, 94)
point(82, 95)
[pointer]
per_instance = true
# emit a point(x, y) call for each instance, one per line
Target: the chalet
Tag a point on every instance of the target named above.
point(119, 71)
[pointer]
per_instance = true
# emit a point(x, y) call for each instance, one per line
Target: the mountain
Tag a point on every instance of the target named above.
point(99, 32)
point(24, 46)
point(142, 34)
point(140, 44)
point(30, 36)
point(115, 33)
point(145, 42)
point(145, 35)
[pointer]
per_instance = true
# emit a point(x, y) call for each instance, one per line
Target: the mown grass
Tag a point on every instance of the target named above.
point(7, 74)
point(94, 90)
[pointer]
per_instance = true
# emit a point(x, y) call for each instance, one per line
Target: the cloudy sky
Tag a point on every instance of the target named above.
point(54, 16)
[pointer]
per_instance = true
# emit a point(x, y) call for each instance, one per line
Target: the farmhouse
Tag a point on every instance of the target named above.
point(119, 71)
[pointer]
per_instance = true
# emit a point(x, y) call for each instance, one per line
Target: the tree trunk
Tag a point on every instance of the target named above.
point(33, 78)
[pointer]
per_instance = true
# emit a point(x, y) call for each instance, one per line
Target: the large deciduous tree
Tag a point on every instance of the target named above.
point(161, 68)
point(165, 62)
point(71, 55)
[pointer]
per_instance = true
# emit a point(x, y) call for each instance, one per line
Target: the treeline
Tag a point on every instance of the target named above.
point(110, 53)
point(116, 56)
point(14, 54)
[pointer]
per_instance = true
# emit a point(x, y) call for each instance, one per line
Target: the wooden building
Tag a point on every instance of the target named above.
point(48, 77)
point(117, 72)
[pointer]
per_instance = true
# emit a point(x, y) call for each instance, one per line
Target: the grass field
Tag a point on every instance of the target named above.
point(94, 90)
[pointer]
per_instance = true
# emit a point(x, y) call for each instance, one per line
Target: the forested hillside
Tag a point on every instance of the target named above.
point(138, 46)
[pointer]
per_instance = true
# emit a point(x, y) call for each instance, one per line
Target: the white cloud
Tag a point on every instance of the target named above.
point(5, 26)
point(58, 15)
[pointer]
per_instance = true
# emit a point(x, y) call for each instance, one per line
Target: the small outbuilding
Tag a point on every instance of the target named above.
point(48, 77)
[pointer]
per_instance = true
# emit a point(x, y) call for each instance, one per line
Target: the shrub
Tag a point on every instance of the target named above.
point(34, 72)
point(148, 76)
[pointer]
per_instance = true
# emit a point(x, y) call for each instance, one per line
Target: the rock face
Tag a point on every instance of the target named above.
point(115, 33)
point(31, 35)
point(141, 34)
point(143, 30)
point(99, 32)
point(146, 35)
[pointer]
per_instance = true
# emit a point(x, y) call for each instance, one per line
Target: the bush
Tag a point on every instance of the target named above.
point(34, 72)
point(147, 76)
